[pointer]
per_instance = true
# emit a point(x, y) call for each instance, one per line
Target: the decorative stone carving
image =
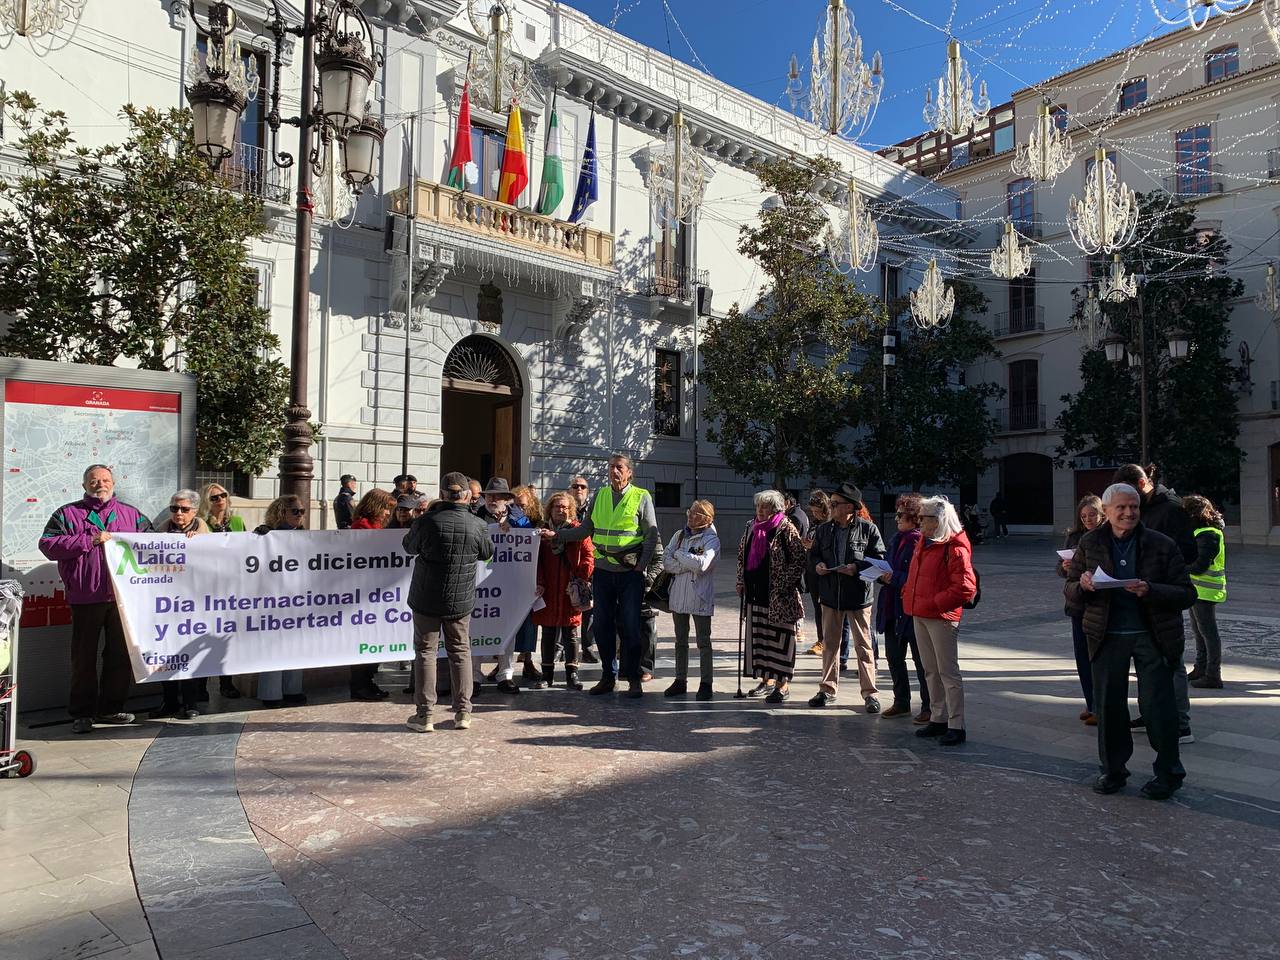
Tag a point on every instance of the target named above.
point(574, 310)
point(431, 267)
point(489, 307)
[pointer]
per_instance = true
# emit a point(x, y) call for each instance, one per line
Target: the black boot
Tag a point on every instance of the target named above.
point(677, 689)
point(571, 680)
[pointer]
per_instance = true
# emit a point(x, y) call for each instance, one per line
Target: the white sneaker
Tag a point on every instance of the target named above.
point(420, 723)
point(462, 721)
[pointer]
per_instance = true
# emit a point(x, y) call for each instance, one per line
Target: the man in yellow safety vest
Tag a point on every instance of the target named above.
point(1209, 575)
point(624, 529)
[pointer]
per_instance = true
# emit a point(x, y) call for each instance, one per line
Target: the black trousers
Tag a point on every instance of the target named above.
point(1156, 704)
point(182, 694)
point(553, 638)
point(899, 637)
point(362, 675)
point(89, 696)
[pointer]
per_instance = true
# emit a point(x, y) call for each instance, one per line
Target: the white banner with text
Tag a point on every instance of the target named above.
point(232, 603)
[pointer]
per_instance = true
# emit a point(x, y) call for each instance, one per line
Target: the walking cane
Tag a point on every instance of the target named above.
point(742, 615)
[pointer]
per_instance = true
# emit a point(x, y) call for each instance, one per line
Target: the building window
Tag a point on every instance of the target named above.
point(890, 282)
point(667, 496)
point(1022, 303)
point(1088, 164)
point(671, 261)
point(960, 154)
point(487, 147)
point(1221, 63)
point(1132, 93)
point(1022, 201)
point(1004, 138)
point(1061, 117)
point(1024, 395)
point(1193, 159)
point(666, 393)
point(1096, 266)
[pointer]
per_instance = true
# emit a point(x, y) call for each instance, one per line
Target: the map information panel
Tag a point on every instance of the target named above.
point(52, 432)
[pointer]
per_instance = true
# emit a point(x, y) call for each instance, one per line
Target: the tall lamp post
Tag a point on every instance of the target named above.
point(1118, 349)
point(338, 66)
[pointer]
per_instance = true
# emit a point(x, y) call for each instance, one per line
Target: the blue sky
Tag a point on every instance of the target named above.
point(747, 43)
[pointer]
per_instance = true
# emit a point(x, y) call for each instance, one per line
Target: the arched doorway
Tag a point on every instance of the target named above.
point(480, 414)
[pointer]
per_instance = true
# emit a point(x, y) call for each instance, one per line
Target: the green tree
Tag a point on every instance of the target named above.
point(1193, 418)
point(133, 254)
point(931, 429)
point(779, 386)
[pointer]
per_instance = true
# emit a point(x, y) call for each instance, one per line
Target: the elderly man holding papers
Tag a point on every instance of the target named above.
point(1133, 585)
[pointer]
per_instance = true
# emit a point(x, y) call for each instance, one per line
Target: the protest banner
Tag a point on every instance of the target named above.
point(231, 603)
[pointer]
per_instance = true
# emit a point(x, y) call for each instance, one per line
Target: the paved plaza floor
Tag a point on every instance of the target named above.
point(566, 826)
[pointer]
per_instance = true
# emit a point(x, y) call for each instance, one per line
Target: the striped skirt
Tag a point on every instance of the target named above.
point(771, 654)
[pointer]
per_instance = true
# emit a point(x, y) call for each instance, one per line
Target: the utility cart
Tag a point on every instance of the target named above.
point(13, 762)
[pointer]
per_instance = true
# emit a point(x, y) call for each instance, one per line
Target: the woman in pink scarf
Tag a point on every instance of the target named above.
point(771, 562)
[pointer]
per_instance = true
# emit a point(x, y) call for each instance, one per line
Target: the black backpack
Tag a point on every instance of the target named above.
point(977, 581)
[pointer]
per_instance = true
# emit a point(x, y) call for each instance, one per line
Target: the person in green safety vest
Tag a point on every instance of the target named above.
point(623, 527)
point(1209, 574)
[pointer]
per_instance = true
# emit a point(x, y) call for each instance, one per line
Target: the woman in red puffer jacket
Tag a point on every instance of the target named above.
point(939, 583)
point(558, 563)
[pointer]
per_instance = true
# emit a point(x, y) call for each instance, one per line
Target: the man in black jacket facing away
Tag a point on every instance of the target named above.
point(343, 508)
point(1141, 623)
point(840, 544)
point(447, 541)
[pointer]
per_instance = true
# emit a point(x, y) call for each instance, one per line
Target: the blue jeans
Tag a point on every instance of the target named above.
point(616, 599)
point(1083, 667)
point(526, 637)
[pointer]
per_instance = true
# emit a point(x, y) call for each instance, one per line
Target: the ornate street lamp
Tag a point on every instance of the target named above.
point(933, 302)
point(956, 111)
point(844, 92)
point(1179, 344)
point(857, 242)
point(221, 86)
point(1196, 13)
point(1047, 151)
point(36, 18)
point(339, 60)
point(1106, 219)
point(1115, 347)
point(1010, 259)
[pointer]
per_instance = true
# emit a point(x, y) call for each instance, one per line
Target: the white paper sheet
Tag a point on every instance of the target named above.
point(1103, 581)
point(1066, 554)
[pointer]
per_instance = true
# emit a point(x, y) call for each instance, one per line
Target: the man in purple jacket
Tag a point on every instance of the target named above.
point(73, 537)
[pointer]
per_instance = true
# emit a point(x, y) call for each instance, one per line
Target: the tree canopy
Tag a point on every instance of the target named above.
point(134, 254)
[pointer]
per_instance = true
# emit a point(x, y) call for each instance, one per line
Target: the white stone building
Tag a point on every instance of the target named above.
point(534, 349)
point(1194, 113)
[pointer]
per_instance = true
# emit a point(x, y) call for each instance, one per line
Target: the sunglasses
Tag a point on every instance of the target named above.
point(216, 497)
point(577, 486)
point(295, 512)
point(181, 509)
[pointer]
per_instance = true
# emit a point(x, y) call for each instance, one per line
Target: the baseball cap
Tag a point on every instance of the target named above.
point(454, 485)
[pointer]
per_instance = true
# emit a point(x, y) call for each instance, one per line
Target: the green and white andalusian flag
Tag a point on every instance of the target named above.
point(552, 170)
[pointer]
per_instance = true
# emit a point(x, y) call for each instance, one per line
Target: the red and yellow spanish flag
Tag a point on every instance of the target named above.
point(515, 167)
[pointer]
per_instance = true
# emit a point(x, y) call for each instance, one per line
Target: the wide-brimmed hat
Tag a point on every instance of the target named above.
point(848, 492)
point(498, 488)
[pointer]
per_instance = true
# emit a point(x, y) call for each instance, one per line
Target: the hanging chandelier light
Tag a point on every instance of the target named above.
point(36, 18)
point(1091, 323)
point(1047, 151)
point(1119, 286)
point(1269, 297)
point(844, 92)
point(333, 195)
point(676, 179)
point(499, 74)
point(857, 243)
point(933, 302)
point(1011, 259)
point(1196, 13)
point(1106, 219)
point(955, 111)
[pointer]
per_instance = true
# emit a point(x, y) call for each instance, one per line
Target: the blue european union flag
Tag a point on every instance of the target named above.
point(588, 191)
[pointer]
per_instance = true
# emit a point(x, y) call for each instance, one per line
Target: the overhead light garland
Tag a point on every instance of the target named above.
point(1010, 259)
point(36, 18)
point(1119, 286)
point(955, 112)
point(857, 243)
point(1106, 219)
point(933, 302)
point(844, 91)
point(1196, 13)
point(1047, 151)
point(676, 178)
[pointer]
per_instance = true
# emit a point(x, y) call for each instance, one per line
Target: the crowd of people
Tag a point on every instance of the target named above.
point(604, 575)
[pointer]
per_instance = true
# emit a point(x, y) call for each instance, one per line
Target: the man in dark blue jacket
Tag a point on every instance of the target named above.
point(447, 541)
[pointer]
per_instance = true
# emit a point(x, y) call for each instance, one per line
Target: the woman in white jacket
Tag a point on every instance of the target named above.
point(690, 558)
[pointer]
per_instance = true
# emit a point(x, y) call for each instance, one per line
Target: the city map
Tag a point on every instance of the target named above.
point(52, 432)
